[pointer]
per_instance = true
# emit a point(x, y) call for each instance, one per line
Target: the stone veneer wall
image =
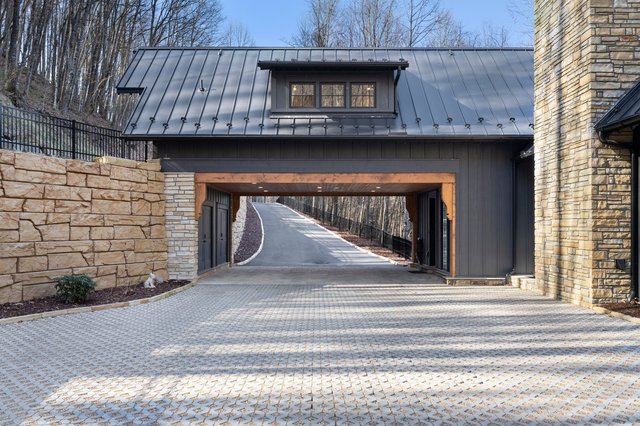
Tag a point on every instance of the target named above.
point(181, 225)
point(586, 55)
point(57, 217)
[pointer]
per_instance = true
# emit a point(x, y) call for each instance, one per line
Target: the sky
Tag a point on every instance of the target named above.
point(273, 22)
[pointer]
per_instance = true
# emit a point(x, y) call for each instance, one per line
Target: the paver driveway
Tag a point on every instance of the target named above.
point(324, 345)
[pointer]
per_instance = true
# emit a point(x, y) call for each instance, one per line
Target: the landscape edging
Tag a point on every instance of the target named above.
point(614, 314)
point(82, 309)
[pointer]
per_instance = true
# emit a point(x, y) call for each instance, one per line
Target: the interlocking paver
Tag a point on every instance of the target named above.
point(324, 346)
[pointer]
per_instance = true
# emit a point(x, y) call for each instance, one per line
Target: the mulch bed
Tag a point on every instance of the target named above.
point(100, 297)
point(252, 236)
point(631, 309)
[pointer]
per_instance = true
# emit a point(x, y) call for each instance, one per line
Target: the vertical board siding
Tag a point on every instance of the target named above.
point(484, 192)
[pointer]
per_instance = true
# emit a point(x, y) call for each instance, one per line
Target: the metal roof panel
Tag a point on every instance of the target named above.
point(442, 92)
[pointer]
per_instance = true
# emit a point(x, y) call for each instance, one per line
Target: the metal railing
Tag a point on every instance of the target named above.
point(28, 131)
point(398, 245)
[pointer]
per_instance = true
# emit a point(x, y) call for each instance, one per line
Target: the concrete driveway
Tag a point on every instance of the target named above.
point(293, 240)
point(324, 345)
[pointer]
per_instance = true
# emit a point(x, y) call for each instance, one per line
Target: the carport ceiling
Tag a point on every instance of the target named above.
point(320, 188)
point(324, 184)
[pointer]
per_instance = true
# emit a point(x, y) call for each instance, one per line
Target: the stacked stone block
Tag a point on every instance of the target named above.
point(181, 225)
point(57, 217)
point(586, 55)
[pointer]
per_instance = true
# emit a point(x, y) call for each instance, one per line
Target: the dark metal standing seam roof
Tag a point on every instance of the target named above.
point(204, 92)
point(625, 112)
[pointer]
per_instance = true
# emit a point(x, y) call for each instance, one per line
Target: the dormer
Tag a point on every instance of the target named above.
point(336, 89)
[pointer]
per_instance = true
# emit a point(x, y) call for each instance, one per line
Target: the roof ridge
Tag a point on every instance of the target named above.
point(434, 49)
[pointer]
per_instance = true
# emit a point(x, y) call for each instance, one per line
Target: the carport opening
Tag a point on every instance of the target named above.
point(412, 214)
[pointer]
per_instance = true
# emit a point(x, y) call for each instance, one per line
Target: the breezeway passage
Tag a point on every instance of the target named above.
point(291, 239)
point(320, 344)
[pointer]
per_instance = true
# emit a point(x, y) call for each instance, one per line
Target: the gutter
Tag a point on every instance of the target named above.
point(634, 147)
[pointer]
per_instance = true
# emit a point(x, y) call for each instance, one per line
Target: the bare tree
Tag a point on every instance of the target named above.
point(450, 33)
point(320, 27)
point(373, 23)
point(423, 18)
point(236, 34)
point(522, 13)
point(492, 36)
point(12, 22)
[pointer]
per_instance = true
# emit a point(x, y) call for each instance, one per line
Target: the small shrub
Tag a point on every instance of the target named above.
point(74, 288)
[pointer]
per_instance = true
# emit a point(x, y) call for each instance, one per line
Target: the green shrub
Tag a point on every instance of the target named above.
point(74, 288)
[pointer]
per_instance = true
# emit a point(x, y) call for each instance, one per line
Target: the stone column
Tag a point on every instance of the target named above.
point(586, 55)
point(181, 225)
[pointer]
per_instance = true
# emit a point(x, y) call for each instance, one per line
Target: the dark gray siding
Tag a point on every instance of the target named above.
point(484, 192)
point(524, 256)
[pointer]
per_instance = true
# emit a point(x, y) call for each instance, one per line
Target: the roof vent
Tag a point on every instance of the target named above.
point(165, 125)
point(354, 60)
point(449, 119)
point(197, 125)
point(246, 119)
point(370, 59)
point(220, 52)
point(402, 60)
point(184, 119)
point(512, 119)
point(385, 60)
point(215, 119)
point(450, 52)
point(467, 125)
point(152, 119)
point(229, 125)
point(356, 126)
point(418, 119)
point(202, 89)
point(133, 125)
point(499, 125)
point(436, 125)
point(480, 119)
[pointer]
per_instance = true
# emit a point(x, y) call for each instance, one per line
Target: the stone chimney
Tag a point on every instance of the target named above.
point(587, 54)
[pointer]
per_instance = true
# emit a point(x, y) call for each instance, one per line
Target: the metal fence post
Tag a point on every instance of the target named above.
point(73, 139)
point(1, 126)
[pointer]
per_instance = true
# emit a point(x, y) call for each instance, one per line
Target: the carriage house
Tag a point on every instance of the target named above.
point(450, 129)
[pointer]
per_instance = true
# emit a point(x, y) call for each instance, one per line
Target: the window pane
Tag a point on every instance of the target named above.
point(303, 95)
point(332, 95)
point(363, 95)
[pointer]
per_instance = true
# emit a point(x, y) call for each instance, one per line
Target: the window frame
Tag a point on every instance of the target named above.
point(375, 94)
point(315, 94)
point(344, 94)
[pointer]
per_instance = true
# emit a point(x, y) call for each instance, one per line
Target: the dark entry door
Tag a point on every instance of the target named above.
point(206, 238)
point(222, 213)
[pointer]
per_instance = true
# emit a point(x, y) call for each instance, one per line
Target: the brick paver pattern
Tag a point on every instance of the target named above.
point(391, 347)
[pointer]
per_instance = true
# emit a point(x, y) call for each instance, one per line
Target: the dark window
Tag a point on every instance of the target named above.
point(363, 95)
point(303, 95)
point(332, 95)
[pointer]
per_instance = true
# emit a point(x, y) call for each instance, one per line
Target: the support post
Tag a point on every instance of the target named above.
point(412, 209)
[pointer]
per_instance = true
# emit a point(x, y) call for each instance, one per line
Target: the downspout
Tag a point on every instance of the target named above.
point(395, 90)
point(634, 148)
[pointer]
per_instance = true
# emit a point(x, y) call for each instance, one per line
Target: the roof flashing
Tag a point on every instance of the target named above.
point(336, 65)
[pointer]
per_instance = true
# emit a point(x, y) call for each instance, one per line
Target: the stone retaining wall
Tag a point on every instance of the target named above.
point(105, 219)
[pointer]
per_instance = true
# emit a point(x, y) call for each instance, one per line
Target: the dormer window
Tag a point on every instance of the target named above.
point(363, 95)
point(303, 95)
point(338, 89)
point(332, 95)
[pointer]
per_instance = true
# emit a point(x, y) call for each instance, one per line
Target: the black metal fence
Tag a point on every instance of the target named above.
point(28, 131)
point(397, 244)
